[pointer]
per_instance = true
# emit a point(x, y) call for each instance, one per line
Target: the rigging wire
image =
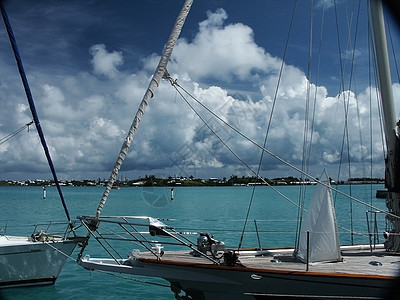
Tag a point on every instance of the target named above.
point(306, 131)
point(33, 109)
point(269, 123)
point(345, 135)
point(341, 85)
point(345, 139)
point(11, 135)
point(346, 102)
point(370, 98)
point(357, 105)
point(175, 83)
point(362, 152)
point(133, 279)
point(351, 82)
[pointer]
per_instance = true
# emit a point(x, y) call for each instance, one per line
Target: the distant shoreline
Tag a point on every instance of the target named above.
point(152, 181)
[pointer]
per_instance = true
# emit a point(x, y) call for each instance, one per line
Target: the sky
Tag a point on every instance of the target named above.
point(89, 63)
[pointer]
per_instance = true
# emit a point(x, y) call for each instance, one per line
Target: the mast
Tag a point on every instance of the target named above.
point(392, 174)
point(33, 109)
point(158, 74)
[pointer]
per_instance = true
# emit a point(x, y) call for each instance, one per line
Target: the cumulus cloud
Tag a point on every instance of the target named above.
point(222, 52)
point(325, 3)
point(104, 62)
point(87, 114)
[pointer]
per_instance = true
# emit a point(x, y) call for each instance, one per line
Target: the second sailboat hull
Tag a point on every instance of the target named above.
point(263, 277)
point(24, 262)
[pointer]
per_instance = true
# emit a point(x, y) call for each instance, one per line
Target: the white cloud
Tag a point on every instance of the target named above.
point(325, 3)
point(104, 62)
point(86, 116)
point(101, 128)
point(221, 52)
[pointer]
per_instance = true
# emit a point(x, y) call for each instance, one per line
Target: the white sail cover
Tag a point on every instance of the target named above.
point(321, 224)
point(153, 85)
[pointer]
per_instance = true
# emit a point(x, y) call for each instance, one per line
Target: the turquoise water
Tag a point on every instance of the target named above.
point(220, 211)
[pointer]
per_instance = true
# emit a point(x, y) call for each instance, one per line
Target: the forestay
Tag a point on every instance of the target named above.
point(160, 71)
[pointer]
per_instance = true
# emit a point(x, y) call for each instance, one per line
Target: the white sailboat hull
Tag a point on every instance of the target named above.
point(260, 277)
point(24, 262)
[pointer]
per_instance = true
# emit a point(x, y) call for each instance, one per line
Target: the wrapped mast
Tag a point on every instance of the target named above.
point(154, 82)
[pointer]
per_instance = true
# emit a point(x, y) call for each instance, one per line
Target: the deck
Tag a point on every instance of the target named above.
point(355, 261)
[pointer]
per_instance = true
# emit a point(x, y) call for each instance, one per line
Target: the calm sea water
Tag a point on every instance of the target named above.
point(217, 210)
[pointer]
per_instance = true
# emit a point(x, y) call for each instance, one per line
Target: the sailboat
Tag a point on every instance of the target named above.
point(318, 267)
point(38, 258)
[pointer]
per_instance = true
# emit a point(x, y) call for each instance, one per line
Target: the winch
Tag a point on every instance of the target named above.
point(206, 243)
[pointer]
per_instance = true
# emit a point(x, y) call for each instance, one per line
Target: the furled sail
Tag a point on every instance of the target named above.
point(158, 74)
point(320, 222)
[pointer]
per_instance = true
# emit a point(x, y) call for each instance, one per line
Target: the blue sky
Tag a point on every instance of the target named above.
point(89, 62)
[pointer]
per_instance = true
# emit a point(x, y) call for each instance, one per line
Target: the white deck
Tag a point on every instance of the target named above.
point(274, 274)
point(354, 262)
